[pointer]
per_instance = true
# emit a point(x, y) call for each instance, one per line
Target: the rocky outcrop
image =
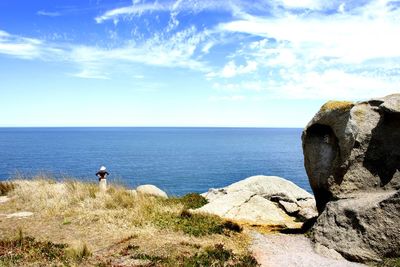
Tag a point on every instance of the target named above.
point(352, 159)
point(364, 228)
point(149, 189)
point(261, 200)
point(353, 147)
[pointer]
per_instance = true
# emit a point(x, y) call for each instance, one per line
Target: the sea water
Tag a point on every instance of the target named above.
point(178, 160)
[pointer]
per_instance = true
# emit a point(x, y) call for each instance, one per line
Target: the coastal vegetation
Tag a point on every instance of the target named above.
point(73, 223)
point(337, 105)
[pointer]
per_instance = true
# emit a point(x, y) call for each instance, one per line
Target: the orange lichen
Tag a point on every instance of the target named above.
point(337, 105)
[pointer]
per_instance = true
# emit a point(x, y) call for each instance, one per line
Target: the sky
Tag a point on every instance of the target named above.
point(230, 63)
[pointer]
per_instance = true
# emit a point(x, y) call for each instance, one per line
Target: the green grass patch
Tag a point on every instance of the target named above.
point(23, 250)
point(79, 254)
point(219, 256)
point(196, 224)
point(216, 255)
point(390, 262)
point(189, 201)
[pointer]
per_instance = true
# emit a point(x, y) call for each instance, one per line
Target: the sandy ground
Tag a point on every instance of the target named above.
point(282, 250)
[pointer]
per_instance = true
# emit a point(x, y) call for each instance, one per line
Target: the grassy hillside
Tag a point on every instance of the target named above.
point(75, 224)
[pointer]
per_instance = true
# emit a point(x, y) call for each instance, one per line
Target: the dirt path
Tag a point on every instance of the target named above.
point(281, 250)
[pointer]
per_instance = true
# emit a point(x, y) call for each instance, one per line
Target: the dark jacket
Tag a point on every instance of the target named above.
point(102, 174)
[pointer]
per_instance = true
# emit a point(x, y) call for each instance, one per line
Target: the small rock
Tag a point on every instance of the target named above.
point(133, 192)
point(289, 207)
point(151, 190)
point(20, 214)
point(4, 199)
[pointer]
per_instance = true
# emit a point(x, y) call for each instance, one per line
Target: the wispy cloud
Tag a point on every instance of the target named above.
point(227, 98)
point(27, 48)
point(174, 7)
point(231, 70)
point(175, 51)
point(48, 14)
point(133, 10)
point(318, 54)
point(276, 48)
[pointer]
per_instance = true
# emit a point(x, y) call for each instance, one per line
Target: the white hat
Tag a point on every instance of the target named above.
point(102, 168)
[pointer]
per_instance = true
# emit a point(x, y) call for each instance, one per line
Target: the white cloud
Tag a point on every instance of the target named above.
point(246, 85)
point(334, 84)
point(350, 54)
point(133, 10)
point(48, 14)
point(227, 98)
point(176, 51)
point(313, 5)
point(27, 48)
point(174, 7)
point(351, 38)
point(231, 70)
point(4, 34)
point(298, 51)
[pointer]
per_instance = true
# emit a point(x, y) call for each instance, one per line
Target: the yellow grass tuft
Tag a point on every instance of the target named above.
point(337, 105)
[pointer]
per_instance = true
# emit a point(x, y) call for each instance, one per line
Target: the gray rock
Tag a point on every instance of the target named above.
point(352, 159)
point(151, 190)
point(262, 200)
point(353, 147)
point(277, 250)
point(289, 207)
point(364, 228)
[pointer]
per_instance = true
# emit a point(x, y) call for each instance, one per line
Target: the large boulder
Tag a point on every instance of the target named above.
point(261, 200)
point(352, 158)
point(353, 147)
point(149, 189)
point(364, 228)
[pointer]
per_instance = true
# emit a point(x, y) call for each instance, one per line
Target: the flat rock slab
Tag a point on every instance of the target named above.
point(278, 250)
point(4, 199)
point(261, 200)
point(20, 214)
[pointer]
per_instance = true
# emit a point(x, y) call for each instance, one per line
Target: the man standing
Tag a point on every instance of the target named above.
point(102, 174)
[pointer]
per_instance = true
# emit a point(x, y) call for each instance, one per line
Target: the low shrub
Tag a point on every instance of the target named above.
point(6, 187)
point(196, 224)
point(27, 250)
point(216, 255)
point(193, 201)
point(189, 201)
point(219, 256)
point(390, 262)
point(79, 254)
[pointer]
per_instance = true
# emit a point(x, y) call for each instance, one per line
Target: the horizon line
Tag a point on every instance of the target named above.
point(271, 127)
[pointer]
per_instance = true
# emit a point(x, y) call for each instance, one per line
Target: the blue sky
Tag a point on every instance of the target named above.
point(192, 62)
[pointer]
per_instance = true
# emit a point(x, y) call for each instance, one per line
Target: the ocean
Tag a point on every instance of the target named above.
point(178, 160)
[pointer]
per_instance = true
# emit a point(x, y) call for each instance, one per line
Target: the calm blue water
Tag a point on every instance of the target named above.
point(178, 160)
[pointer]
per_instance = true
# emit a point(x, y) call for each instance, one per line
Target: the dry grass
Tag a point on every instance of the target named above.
point(6, 187)
point(337, 105)
point(97, 226)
